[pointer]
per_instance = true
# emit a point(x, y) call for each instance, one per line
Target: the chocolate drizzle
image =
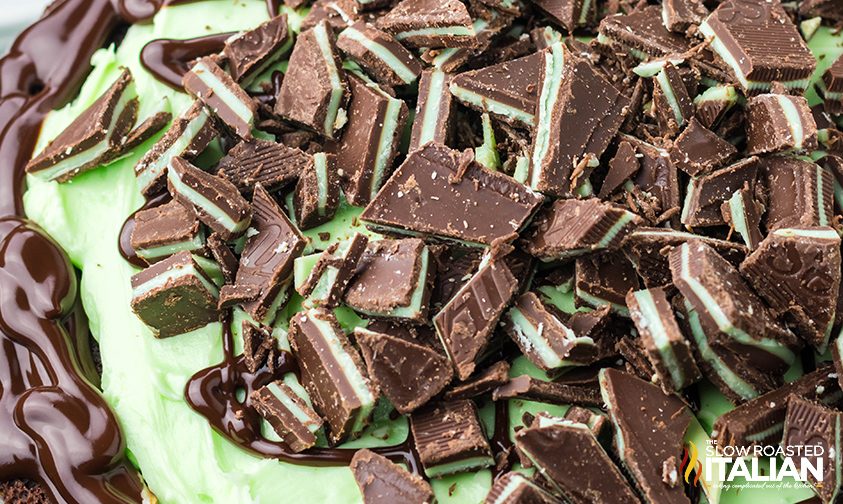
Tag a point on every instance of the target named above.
point(168, 59)
point(124, 241)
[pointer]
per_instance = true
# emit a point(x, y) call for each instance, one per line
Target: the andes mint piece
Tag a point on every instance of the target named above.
point(450, 439)
point(650, 427)
point(440, 192)
point(760, 421)
point(811, 425)
point(251, 53)
point(662, 340)
point(532, 389)
point(642, 33)
point(380, 55)
point(826, 9)
point(545, 339)
point(466, 322)
point(572, 227)
point(569, 14)
point(232, 295)
point(317, 194)
point(174, 296)
point(721, 297)
point(569, 457)
point(383, 482)
point(777, 123)
point(598, 423)
point(144, 131)
point(94, 137)
point(658, 178)
point(489, 379)
point(267, 259)
point(369, 143)
point(314, 89)
point(451, 59)
point(216, 200)
point(407, 373)
point(578, 114)
point(672, 104)
point(186, 138)
point(454, 267)
point(429, 23)
point(713, 104)
point(708, 192)
point(697, 150)
point(604, 280)
point(329, 278)
point(223, 255)
point(622, 167)
point(257, 344)
point(800, 193)
point(164, 230)
point(760, 45)
point(797, 271)
point(507, 90)
point(432, 122)
point(223, 97)
point(830, 87)
point(338, 14)
point(515, 488)
point(288, 414)
point(679, 15)
point(333, 373)
point(273, 165)
point(636, 361)
point(393, 281)
point(743, 214)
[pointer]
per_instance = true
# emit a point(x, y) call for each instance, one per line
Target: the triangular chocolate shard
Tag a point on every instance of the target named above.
point(430, 23)
point(568, 13)
point(622, 167)
point(383, 482)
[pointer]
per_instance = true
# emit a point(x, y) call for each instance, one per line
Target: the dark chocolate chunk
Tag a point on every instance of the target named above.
point(714, 103)
point(708, 192)
point(454, 267)
point(449, 439)
point(697, 150)
point(379, 54)
point(369, 143)
point(164, 230)
point(487, 380)
point(216, 201)
point(441, 192)
point(622, 168)
point(325, 285)
point(515, 488)
point(317, 195)
point(797, 271)
point(671, 103)
point(233, 295)
point(145, 130)
point(314, 89)
point(429, 23)
point(252, 53)
point(223, 97)
point(777, 123)
point(658, 179)
point(257, 344)
point(487, 25)
point(598, 423)
point(383, 482)
point(812, 426)
point(532, 389)
point(288, 414)
point(273, 165)
point(743, 214)
point(604, 280)
point(830, 87)
point(642, 32)
point(679, 15)
point(407, 373)
point(432, 122)
point(569, 14)
point(635, 359)
point(174, 296)
point(333, 373)
point(338, 14)
point(224, 257)
point(800, 193)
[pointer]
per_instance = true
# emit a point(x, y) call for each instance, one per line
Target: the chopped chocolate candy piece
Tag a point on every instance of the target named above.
point(186, 138)
point(830, 87)
point(174, 296)
point(144, 131)
point(333, 373)
point(407, 373)
point(636, 361)
point(543, 338)
point(454, 267)
point(252, 53)
point(569, 457)
point(642, 33)
point(760, 421)
point(578, 114)
point(393, 281)
point(604, 280)
point(811, 426)
point(232, 295)
point(598, 423)
point(826, 9)
point(760, 44)
point(380, 55)
point(708, 192)
point(223, 255)
point(489, 379)
point(507, 90)
point(480, 54)
point(658, 178)
point(622, 167)
point(257, 344)
point(572, 227)
point(671, 102)
point(164, 230)
point(662, 340)
point(338, 14)
point(441, 192)
point(267, 258)
point(97, 135)
point(273, 165)
point(383, 482)
point(467, 321)
point(329, 278)
point(317, 194)
point(777, 123)
point(532, 389)
point(370, 140)
point(314, 89)
point(223, 97)
point(713, 104)
point(697, 150)
point(515, 488)
point(216, 200)
point(432, 122)
point(743, 214)
point(797, 271)
point(568, 14)
point(288, 414)
point(800, 193)
point(679, 15)
point(650, 427)
point(430, 23)
point(450, 439)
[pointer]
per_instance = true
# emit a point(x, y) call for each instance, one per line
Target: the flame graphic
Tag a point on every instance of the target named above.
point(691, 462)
